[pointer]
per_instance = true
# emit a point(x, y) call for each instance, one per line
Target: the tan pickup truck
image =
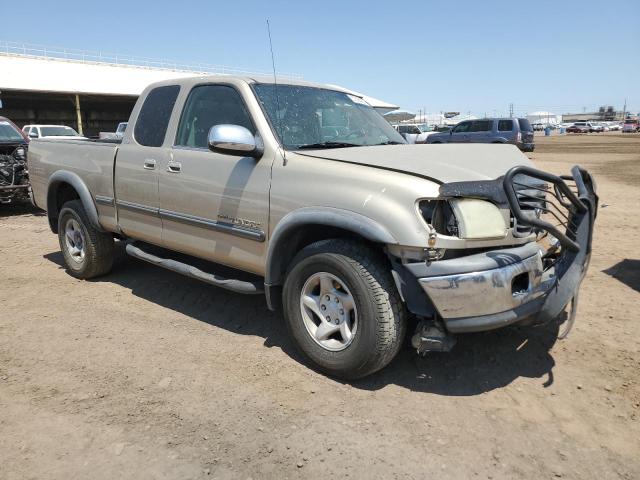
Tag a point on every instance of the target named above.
point(313, 199)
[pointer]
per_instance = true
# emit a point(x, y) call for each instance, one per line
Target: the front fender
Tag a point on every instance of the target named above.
point(73, 179)
point(279, 250)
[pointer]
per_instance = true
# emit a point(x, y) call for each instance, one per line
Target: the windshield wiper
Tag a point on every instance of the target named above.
point(327, 145)
point(390, 142)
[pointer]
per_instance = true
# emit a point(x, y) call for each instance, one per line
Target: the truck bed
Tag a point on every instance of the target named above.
point(92, 161)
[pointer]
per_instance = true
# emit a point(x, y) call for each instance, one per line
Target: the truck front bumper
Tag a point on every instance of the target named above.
point(490, 298)
point(524, 284)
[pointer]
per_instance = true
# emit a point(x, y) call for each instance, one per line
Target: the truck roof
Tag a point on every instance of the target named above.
point(190, 81)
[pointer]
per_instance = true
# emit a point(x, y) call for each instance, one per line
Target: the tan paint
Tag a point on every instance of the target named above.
point(382, 183)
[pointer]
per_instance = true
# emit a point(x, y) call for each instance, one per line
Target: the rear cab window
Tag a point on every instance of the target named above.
point(154, 116)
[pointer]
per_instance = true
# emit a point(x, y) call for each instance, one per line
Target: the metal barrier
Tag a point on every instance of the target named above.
point(44, 52)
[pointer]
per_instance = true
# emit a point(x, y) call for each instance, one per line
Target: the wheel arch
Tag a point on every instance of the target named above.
point(308, 225)
point(64, 186)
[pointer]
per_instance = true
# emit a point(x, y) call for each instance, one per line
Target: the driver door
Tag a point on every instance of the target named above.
point(214, 205)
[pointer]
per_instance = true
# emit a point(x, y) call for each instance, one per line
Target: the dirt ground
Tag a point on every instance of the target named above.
point(146, 374)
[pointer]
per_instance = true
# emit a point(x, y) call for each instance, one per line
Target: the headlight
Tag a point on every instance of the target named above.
point(478, 219)
point(19, 153)
point(439, 214)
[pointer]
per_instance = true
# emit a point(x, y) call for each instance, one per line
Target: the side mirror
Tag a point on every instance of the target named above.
point(235, 140)
point(33, 135)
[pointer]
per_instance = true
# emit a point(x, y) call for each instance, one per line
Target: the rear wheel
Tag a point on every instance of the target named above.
point(342, 308)
point(87, 252)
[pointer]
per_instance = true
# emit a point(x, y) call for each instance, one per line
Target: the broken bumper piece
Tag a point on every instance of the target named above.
point(501, 287)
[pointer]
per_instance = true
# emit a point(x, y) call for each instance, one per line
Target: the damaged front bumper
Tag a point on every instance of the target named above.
point(528, 283)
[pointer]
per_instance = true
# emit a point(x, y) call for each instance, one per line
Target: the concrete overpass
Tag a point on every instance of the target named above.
point(91, 91)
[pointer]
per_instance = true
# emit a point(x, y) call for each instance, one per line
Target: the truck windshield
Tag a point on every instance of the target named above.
point(309, 117)
point(8, 133)
point(58, 132)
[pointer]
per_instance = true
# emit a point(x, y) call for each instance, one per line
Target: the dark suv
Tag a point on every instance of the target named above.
point(14, 178)
point(517, 131)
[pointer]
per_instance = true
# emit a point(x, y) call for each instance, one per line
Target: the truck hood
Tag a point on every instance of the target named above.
point(441, 163)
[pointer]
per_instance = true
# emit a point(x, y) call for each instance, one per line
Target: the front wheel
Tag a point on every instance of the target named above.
point(342, 308)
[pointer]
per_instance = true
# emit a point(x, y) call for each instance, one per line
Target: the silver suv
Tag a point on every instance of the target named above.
point(516, 131)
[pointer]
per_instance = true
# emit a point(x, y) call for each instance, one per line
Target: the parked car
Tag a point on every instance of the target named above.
point(598, 128)
point(516, 131)
point(581, 127)
point(51, 131)
point(538, 127)
point(631, 125)
point(414, 132)
point(326, 211)
point(615, 126)
point(14, 177)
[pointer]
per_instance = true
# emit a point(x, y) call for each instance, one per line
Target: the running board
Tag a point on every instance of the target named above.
point(237, 286)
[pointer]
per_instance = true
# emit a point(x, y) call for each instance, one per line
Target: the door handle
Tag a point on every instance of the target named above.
point(150, 164)
point(174, 167)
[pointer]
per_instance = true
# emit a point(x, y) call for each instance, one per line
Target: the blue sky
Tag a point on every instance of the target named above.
point(476, 56)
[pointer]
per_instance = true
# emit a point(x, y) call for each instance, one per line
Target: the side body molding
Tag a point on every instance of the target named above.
point(64, 176)
point(283, 237)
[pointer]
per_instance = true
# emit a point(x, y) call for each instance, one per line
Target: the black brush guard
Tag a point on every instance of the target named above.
point(571, 210)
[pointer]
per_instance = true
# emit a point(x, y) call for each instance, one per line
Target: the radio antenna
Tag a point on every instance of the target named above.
point(275, 87)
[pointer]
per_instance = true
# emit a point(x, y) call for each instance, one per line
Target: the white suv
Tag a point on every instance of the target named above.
point(50, 131)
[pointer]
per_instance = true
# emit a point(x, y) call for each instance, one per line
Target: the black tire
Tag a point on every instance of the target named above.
point(98, 246)
point(381, 313)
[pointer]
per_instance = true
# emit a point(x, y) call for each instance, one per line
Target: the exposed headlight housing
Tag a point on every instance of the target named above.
point(20, 153)
point(439, 214)
point(478, 219)
point(466, 218)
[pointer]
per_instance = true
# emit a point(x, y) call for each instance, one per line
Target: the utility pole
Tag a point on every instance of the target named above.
point(624, 110)
point(511, 110)
point(79, 115)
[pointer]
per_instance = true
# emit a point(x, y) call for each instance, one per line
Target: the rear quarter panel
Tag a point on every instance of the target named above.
point(91, 161)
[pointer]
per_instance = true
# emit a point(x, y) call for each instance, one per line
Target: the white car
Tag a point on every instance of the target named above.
point(51, 132)
point(415, 132)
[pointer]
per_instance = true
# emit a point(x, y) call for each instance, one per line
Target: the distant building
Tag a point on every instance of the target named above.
point(604, 114)
point(90, 91)
point(546, 118)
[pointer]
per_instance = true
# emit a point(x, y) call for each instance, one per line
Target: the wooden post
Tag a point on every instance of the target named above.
point(78, 114)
